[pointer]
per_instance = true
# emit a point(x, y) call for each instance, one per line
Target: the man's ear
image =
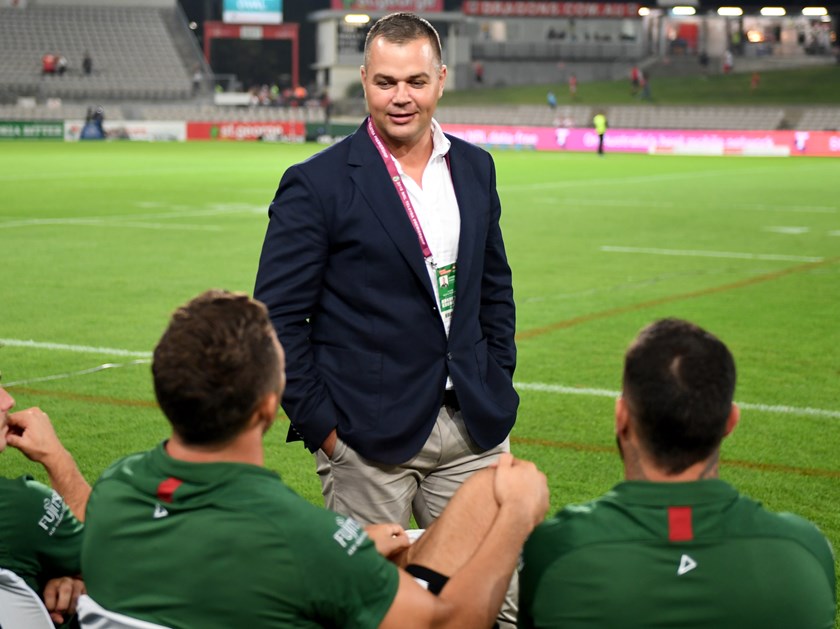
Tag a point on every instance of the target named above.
point(266, 411)
point(622, 418)
point(732, 420)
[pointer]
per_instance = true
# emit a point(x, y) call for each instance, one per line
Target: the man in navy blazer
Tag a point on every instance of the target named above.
point(369, 242)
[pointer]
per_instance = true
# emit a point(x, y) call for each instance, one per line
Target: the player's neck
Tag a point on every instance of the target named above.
point(244, 448)
point(639, 466)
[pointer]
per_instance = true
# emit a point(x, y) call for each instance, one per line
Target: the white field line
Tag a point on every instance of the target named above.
point(82, 372)
point(122, 220)
point(588, 183)
point(753, 207)
point(89, 174)
point(110, 223)
point(764, 408)
point(522, 386)
point(79, 349)
point(710, 254)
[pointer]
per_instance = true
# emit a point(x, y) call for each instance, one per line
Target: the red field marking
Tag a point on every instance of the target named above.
point(604, 314)
point(747, 465)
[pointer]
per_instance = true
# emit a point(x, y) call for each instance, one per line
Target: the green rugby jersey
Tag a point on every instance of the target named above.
point(40, 538)
point(223, 545)
point(688, 555)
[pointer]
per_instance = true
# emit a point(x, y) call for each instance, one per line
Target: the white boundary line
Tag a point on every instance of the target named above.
point(83, 372)
point(79, 349)
point(522, 386)
point(752, 207)
point(764, 408)
point(710, 254)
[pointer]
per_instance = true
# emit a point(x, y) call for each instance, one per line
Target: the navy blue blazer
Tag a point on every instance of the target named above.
point(347, 289)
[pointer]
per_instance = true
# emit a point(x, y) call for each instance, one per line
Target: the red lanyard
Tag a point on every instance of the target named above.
point(401, 191)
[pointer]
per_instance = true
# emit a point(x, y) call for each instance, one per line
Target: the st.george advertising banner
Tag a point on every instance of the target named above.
point(268, 131)
point(757, 143)
point(389, 6)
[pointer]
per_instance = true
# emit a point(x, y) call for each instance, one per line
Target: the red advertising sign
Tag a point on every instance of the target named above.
point(389, 6)
point(527, 8)
point(274, 131)
point(666, 141)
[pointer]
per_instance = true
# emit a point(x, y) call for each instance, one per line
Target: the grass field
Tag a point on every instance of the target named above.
point(103, 241)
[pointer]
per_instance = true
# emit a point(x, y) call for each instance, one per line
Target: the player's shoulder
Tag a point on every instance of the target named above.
point(22, 488)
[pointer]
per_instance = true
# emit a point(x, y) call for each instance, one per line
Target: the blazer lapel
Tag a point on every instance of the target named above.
point(470, 203)
point(371, 177)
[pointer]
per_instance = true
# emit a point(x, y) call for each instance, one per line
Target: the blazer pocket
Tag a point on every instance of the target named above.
point(498, 385)
point(354, 380)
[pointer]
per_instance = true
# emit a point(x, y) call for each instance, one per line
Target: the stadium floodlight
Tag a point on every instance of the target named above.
point(683, 10)
point(643, 11)
point(814, 11)
point(357, 18)
point(772, 11)
point(730, 11)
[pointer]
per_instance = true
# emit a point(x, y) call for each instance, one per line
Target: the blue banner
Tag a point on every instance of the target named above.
point(252, 11)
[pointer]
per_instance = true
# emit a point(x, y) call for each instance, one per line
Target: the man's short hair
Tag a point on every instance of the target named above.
point(679, 382)
point(402, 28)
point(213, 365)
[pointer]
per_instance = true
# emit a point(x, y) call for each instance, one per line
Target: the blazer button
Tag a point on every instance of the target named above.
point(434, 308)
point(448, 355)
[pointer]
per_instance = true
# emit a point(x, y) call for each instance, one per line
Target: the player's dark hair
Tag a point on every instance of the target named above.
point(402, 28)
point(213, 365)
point(679, 383)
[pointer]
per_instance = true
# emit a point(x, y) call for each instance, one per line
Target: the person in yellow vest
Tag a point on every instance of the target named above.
point(600, 122)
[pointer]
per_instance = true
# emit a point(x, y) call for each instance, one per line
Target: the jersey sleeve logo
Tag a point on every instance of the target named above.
point(687, 564)
point(350, 534)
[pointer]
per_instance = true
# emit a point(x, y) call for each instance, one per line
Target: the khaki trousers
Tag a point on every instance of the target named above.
point(371, 492)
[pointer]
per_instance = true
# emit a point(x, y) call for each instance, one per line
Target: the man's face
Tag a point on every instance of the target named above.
point(403, 83)
point(7, 403)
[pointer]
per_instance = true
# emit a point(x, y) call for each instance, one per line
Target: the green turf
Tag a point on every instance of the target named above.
point(102, 241)
point(807, 86)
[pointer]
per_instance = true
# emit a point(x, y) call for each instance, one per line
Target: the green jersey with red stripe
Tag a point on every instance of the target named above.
point(221, 545)
point(688, 555)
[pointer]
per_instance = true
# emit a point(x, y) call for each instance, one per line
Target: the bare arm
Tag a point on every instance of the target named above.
point(474, 593)
point(31, 432)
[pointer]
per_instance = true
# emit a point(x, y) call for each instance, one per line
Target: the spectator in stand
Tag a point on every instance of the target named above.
point(728, 61)
point(755, 81)
point(552, 101)
point(87, 64)
point(573, 86)
point(61, 65)
point(48, 63)
point(635, 80)
point(704, 62)
point(478, 69)
point(197, 79)
point(644, 79)
point(300, 95)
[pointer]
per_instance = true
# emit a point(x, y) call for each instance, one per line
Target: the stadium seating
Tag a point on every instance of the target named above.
point(132, 48)
point(820, 119)
point(530, 115)
point(718, 118)
point(631, 117)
